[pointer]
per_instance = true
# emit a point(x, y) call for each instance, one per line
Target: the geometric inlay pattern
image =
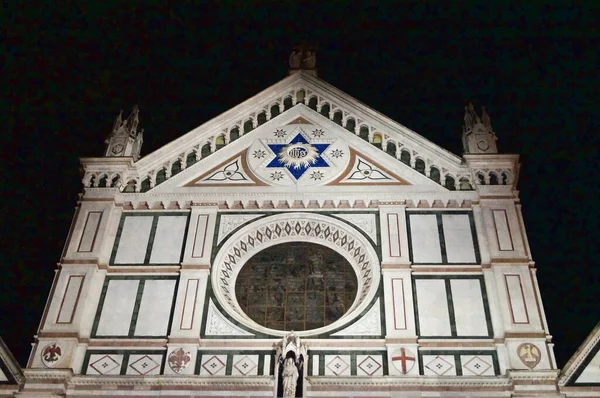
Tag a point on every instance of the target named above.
point(144, 365)
point(369, 365)
point(105, 365)
point(218, 325)
point(477, 366)
point(365, 222)
point(229, 222)
point(439, 366)
point(245, 365)
point(338, 366)
point(213, 365)
point(294, 228)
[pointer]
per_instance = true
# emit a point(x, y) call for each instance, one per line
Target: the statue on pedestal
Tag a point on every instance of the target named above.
point(290, 357)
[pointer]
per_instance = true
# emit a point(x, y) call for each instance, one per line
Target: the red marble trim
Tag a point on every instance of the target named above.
point(510, 299)
point(185, 303)
point(512, 246)
point(203, 236)
point(390, 235)
point(403, 303)
point(96, 229)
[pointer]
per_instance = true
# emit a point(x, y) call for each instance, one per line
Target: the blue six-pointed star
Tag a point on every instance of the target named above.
point(298, 169)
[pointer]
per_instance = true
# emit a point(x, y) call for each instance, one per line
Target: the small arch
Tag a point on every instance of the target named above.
point(145, 185)
point(274, 111)
point(450, 183)
point(434, 174)
point(287, 103)
point(465, 185)
point(325, 108)
point(205, 151)
point(337, 117)
point(481, 178)
point(350, 124)
point(190, 159)
point(405, 157)
point(102, 182)
point(92, 181)
point(364, 133)
point(219, 142)
point(493, 179)
point(234, 134)
point(505, 178)
point(130, 187)
point(390, 148)
point(115, 181)
point(300, 95)
point(176, 167)
point(420, 166)
point(377, 140)
point(312, 103)
point(161, 176)
point(261, 118)
point(248, 126)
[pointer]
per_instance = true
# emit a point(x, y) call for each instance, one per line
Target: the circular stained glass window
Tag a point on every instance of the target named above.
point(296, 286)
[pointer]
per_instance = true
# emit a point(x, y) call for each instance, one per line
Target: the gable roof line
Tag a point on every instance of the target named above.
point(10, 362)
point(182, 143)
point(416, 138)
point(299, 80)
point(580, 355)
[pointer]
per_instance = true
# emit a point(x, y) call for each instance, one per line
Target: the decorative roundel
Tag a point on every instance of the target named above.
point(295, 227)
point(298, 155)
point(117, 148)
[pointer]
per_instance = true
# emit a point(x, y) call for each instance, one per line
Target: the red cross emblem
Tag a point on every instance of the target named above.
point(403, 359)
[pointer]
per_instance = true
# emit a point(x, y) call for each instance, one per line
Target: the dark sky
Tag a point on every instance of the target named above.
point(70, 68)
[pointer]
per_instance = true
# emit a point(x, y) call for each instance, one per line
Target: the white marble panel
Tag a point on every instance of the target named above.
point(168, 240)
point(267, 365)
point(591, 373)
point(394, 234)
point(88, 238)
point(134, 240)
point(469, 313)
point(155, 308)
point(200, 235)
point(369, 365)
point(244, 365)
point(315, 365)
point(425, 238)
point(398, 303)
point(502, 230)
point(518, 308)
point(432, 309)
point(458, 238)
point(144, 364)
point(3, 376)
point(213, 365)
point(439, 365)
point(117, 310)
point(189, 304)
point(477, 365)
point(70, 299)
point(104, 364)
point(337, 365)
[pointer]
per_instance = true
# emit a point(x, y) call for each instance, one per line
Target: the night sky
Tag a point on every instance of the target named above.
point(69, 69)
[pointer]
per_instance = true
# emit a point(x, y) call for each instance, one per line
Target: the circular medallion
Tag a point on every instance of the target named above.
point(298, 155)
point(117, 148)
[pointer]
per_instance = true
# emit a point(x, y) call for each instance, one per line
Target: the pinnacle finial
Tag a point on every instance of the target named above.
point(303, 58)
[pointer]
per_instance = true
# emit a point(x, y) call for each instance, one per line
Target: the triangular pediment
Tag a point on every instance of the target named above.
point(300, 100)
point(583, 369)
point(299, 150)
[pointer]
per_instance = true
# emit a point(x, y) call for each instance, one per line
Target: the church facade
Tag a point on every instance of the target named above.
point(300, 244)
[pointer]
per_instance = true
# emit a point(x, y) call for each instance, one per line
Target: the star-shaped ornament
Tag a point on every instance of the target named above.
point(298, 155)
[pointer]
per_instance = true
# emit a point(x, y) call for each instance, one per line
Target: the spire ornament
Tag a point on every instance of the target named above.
point(478, 136)
point(125, 139)
point(303, 58)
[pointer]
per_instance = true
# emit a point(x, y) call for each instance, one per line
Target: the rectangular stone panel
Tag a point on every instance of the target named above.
point(189, 304)
point(399, 304)
point(90, 230)
point(133, 241)
point(394, 235)
point(200, 236)
point(458, 238)
point(117, 309)
point(168, 240)
point(155, 308)
point(516, 298)
point(432, 307)
point(70, 299)
point(502, 230)
point(425, 239)
point(469, 312)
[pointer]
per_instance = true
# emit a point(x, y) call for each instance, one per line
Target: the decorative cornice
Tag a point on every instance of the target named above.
point(580, 355)
point(176, 380)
